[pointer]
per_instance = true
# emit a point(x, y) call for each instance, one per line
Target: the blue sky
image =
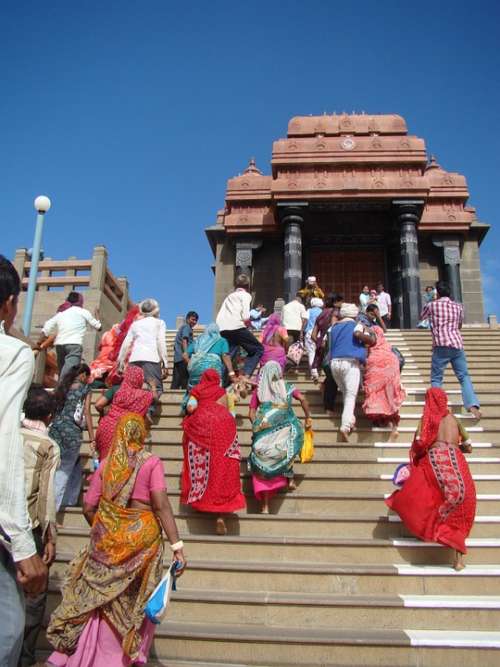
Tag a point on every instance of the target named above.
point(132, 115)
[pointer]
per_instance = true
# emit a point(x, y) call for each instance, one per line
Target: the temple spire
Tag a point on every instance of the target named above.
point(252, 168)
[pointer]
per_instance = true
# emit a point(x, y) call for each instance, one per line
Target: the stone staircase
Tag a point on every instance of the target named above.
point(330, 578)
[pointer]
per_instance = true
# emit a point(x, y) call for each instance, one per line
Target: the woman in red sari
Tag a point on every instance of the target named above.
point(210, 478)
point(437, 502)
point(384, 394)
point(130, 397)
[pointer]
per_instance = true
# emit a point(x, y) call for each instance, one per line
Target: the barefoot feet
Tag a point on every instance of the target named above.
point(475, 412)
point(394, 435)
point(220, 526)
point(458, 563)
point(344, 434)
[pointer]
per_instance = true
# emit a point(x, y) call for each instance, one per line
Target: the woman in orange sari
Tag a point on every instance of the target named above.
point(100, 621)
point(384, 394)
point(437, 501)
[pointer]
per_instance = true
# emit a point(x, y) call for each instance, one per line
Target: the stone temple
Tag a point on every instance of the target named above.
point(354, 200)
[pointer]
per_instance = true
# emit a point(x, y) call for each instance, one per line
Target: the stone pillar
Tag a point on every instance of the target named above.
point(451, 261)
point(408, 215)
point(123, 282)
point(20, 260)
point(99, 265)
point(244, 255)
point(292, 218)
point(45, 273)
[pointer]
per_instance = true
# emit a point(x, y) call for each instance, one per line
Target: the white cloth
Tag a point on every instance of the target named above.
point(16, 372)
point(70, 325)
point(363, 301)
point(234, 312)
point(310, 346)
point(384, 303)
point(271, 387)
point(347, 375)
point(293, 315)
point(148, 337)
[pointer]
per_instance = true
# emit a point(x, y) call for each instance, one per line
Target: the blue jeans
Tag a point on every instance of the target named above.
point(441, 357)
point(68, 477)
point(11, 613)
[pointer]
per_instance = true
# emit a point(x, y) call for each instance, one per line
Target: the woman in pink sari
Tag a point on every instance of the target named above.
point(384, 394)
point(275, 341)
point(100, 621)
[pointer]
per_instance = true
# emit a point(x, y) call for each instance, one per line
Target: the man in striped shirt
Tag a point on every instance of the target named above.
point(446, 319)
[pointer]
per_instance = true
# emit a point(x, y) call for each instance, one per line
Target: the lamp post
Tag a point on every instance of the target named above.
point(42, 205)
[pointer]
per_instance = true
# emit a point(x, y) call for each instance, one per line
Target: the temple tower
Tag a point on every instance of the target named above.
point(353, 199)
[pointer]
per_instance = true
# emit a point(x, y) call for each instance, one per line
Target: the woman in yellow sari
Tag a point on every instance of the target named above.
point(100, 621)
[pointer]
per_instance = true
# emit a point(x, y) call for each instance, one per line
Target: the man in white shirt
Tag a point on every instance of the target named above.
point(294, 318)
point(20, 565)
point(69, 324)
point(146, 341)
point(384, 304)
point(233, 320)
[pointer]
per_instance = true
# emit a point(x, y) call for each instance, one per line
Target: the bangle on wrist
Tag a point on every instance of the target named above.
point(177, 546)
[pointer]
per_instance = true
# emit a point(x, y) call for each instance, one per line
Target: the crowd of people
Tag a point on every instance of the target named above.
point(100, 619)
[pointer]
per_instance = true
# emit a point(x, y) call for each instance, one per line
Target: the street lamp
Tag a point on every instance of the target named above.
point(42, 205)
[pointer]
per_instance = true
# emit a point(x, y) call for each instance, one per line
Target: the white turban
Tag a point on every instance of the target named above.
point(349, 310)
point(316, 303)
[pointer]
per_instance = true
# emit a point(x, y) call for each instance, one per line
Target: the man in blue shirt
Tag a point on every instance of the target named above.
point(348, 341)
point(183, 338)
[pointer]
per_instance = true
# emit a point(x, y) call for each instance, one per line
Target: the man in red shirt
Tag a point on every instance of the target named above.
point(446, 319)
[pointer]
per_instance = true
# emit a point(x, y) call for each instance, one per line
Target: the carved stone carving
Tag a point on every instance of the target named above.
point(451, 254)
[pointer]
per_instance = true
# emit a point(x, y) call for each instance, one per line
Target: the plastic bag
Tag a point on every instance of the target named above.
point(307, 451)
point(157, 605)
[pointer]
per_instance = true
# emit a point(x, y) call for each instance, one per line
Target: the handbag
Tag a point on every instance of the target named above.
point(295, 352)
point(79, 414)
point(157, 605)
point(307, 451)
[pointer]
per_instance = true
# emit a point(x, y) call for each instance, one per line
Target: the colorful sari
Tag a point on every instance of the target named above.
point(110, 581)
point(130, 397)
point(274, 351)
point(103, 363)
point(384, 394)
point(438, 500)
point(207, 352)
point(278, 435)
point(210, 478)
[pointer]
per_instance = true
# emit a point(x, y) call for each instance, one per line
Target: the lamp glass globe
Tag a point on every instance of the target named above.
point(42, 204)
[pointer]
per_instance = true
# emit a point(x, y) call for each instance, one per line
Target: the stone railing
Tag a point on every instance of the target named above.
point(103, 293)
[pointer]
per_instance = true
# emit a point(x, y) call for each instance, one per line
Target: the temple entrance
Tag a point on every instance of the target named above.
point(346, 270)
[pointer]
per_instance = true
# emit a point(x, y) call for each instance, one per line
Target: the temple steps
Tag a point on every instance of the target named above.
point(335, 502)
point(324, 423)
point(356, 482)
point(356, 524)
point(328, 577)
point(330, 436)
point(479, 463)
point(381, 612)
point(340, 451)
point(259, 645)
point(332, 577)
point(289, 547)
